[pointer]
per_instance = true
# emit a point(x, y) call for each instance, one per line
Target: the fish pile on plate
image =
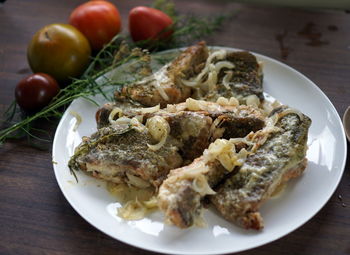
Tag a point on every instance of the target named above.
point(200, 132)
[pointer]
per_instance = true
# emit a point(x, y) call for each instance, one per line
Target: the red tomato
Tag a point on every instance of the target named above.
point(36, 91)
point(148, 23)
point(99, 21)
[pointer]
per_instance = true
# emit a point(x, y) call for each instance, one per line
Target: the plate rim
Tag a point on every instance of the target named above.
point(169, 251)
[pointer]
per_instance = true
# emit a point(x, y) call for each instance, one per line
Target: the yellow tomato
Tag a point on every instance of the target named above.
point(59, 50)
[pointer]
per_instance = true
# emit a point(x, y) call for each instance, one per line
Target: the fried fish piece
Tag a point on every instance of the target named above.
point(280, 158)
point(164, 86)
point(115, 156)
point(237, 75)
point(120, 153)
point(181, 194)
point(242, 80)
point(228, 74)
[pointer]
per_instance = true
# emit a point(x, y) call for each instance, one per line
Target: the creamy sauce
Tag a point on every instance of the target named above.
point(125, 193)
point(136, 202)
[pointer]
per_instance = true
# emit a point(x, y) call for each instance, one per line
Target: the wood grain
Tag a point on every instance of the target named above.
point(35, 218)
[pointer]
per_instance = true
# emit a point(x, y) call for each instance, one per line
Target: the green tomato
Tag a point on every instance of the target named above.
point(59, 50)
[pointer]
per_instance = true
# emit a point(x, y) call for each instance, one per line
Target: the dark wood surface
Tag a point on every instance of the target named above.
point(35, 218)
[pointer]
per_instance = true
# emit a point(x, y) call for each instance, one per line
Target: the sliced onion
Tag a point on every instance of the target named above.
point(137, 125)
point(159, 129)
point(225, 152)
point(139, 118)
point(78, 118)
point(196, 169)
point(260, 137)
point(122, 120)
point(132, 210)
point(200, 184)
point(223, 64)
point(290, 111)
point(192, 84)
point(161, 77)
point(160, 89)
point(208, 68)
point(215, 130)
point(150, 109)
point(219, 54)
point(227, 161)
point(226, 79)
point(151, 203)
point(115, 111)
point(137, 181)
point(212, 80)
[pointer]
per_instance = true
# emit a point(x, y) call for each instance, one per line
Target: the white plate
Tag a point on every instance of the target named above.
point(301, 200)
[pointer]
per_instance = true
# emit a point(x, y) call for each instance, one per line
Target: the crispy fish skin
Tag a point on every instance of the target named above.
point(114, 151)
point(191, 131)
point(280, 158)
point(246, 78)
point(178, 197)
point(181, 203)
point(111, 154)
point(102, 115)
point(187, 64)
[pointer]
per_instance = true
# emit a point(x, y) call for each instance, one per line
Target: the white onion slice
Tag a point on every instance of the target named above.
point(150, 109)
point(200, 184)
point(137, 125)
point(161, 77)
point(137, 181)
point(208, 68)
point(78, 118)
point(226, 79)
point(122, 120)
point(159, 129)
point(115, 111)
point(223, 64)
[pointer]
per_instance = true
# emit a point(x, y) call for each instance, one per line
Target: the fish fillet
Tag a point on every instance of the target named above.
point(266, 166)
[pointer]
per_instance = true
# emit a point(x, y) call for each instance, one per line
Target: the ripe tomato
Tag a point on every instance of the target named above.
point(149, 23)
point(35, 91)
point(99, 21)
point(59, 50)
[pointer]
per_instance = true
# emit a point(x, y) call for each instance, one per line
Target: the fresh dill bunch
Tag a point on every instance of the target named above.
point(85, 87)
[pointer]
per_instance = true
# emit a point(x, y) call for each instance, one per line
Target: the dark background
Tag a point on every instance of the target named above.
point(35, 218)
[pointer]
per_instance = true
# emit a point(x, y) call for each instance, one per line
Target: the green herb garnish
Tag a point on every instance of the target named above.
point(186, 30)
point(86, 87)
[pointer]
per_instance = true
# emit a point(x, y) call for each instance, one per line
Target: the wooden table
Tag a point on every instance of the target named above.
point(35, 218)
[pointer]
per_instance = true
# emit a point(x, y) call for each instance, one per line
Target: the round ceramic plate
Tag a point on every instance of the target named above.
point(301, 200)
